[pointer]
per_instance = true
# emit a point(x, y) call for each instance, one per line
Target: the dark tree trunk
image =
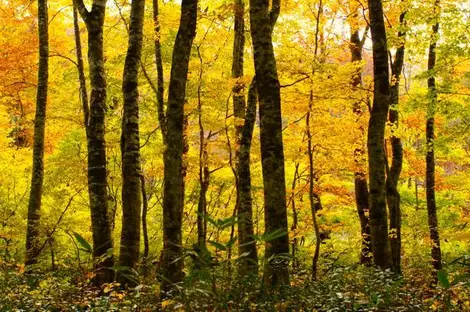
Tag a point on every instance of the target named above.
point(173, 192)
point(130, 145)
point(37, 178)
point(272, 152)
point(145, 207)
point(245, 120)
point(81, 70)
point(159, 63)
point(393, 175)
point(247, 244)
point(360, 181)
point(97, 189)
point(295, 219)
point(314, 199)
point(376, 136)
point(430, 158)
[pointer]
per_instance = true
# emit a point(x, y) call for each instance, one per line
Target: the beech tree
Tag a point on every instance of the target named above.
point(173, 191)
point(246, 115)
point(376, 136)
point(95, 131)
point(37, 178)
point(272, 152)
point(130, 145)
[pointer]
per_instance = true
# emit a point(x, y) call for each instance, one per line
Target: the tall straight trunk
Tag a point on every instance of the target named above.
point(247, 244)
point(97, 188)
point(376, 136)
point(430, 158)
point(37, 178)
point(145, 207)
point(130, 145)
point(81, 70)
point(360, 181)
point(159, 63)
point(204, 173)
point(173, 191)
point(393, 174)
point(245, 120)
point(314, 199)
point(272, 152)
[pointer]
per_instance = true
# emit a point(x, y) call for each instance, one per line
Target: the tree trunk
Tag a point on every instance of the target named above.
point(314, 199)
point(159, 63)
point(244, 124)
point(376, 136)
point(272, 153)
point(430, 158)
point(97, 189)
point(130, 145)
point(37, 178)
point(173, 192)
point(247, 244)
point(360, 181)
point(145, 207)
point(393, 175)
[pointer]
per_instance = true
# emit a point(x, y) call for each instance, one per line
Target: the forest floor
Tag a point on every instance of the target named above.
point(340, 289)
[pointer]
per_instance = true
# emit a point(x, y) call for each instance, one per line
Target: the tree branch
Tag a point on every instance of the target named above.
point(80, 5)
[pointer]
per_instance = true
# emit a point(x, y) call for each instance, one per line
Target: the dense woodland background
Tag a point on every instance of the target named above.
point(293, 155)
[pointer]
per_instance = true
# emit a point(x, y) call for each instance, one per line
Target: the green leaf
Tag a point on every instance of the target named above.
point(266, 237)
point(217, 245)
point(443, 279)
point(86, 246)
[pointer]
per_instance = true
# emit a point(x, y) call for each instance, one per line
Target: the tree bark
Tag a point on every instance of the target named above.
point(145, 234)
point(130, 145)
point(393, 175)
point(97, 187)
point(173, 192)
point(430, 158)
point(244, 123)
point(376, 136)
point(37, 178)
point(159, 63)
point(272, 153)
point(360, 181)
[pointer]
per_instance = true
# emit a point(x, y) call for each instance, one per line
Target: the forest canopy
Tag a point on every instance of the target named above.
point(255, 155)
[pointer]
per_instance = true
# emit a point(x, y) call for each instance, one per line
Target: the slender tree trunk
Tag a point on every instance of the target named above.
point(272, 152)
point(360, 181)
point(37, 178)
point(130, 145)
point(173, 192)
point(97, 189)
point(376, 136)
point(393, 175)
point(314, 199)
point(145, 234)
point(430, 158)
point(295, 261)
point(159, 63)
point(247, 244)
point(81, 70)
point(245, 119)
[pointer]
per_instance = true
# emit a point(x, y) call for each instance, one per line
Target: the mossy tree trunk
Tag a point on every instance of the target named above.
point(376, 136)
point(272, 153)
point(245, 116)
point(173, 192)
point(37, 178)
point(130, 145)
point(97, 187)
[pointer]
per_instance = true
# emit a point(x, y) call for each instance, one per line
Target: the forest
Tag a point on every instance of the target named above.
point(234, 155)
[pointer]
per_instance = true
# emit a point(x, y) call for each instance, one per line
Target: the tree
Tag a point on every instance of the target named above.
point(430, 158)
point(95, 130)
point(37, 178)
point(130, 145)
point(272, 152)
point(376, 136)
point(361, 190)
point(245, 115)
point(173, 191)
point(393, 173)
